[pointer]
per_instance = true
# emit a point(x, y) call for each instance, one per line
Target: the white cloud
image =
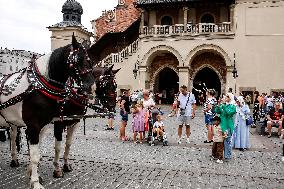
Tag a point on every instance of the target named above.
point(23, 22)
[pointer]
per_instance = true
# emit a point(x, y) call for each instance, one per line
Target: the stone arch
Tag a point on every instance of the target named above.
point(208, 59)
point(208, 66)
point(207, 48)
point(151, 54)
point(156, 73)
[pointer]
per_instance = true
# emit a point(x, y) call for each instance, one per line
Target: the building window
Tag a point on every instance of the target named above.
point(207, 18)
point(167, 20)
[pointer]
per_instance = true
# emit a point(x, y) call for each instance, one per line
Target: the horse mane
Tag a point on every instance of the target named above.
point(57, 62)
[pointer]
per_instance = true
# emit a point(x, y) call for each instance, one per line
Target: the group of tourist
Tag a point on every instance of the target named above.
point(226, 119)
point(269, 108)
point(141, 111)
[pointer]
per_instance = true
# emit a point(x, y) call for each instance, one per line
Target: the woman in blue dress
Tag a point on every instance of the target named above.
point(241, 133)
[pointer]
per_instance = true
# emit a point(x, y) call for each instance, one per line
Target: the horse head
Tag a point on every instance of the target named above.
point(80, 67)
point(106, 86)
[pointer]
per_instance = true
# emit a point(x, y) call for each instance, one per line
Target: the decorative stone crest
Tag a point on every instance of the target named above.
point(110, 15)
point(121, 2)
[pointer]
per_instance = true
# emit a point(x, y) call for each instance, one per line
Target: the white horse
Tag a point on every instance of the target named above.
point(34, 96)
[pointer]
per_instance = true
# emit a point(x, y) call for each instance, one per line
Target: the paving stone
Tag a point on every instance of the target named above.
point(100, 160)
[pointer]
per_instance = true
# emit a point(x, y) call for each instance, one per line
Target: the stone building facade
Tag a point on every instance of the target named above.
point(14, 60)
point(161, 45)
point(204, 42)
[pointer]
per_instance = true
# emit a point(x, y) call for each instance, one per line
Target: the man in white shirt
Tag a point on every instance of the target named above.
point(186, 104)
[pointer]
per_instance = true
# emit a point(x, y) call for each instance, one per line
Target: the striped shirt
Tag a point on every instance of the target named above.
point(212, 101)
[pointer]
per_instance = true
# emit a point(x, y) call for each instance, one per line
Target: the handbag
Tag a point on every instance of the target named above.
point(249, 121)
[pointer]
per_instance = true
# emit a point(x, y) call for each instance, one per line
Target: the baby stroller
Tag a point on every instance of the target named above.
point(152, 137)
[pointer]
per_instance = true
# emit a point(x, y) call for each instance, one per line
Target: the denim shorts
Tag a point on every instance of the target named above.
point(208, 119)
point(124, 117)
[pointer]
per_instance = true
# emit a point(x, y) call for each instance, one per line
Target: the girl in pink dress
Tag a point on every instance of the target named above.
point(138, 123)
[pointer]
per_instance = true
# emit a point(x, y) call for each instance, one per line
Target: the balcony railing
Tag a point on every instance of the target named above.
point(119, 57)
point(178, 29)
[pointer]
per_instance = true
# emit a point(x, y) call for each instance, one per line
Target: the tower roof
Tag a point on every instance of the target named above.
point(72, 6)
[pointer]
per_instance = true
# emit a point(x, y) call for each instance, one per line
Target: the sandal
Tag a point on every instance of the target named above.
point(269, 136)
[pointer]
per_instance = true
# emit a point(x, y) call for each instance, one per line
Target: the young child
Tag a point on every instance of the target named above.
point(174, 108)
point(158, 127)
point(218, 138)
point(138, 123)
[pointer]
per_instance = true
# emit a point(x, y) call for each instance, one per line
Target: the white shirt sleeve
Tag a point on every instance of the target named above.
point(192, 97)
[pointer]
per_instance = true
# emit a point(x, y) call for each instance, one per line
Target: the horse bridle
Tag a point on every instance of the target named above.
point(103, 85)
point(72, 63)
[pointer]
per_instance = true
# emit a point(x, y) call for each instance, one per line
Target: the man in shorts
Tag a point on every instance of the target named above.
point(124, 111)
point(186, 103)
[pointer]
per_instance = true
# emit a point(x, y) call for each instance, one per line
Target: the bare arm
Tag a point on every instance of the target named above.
point(269, 118)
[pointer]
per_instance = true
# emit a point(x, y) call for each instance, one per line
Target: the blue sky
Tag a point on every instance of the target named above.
point(23, 22)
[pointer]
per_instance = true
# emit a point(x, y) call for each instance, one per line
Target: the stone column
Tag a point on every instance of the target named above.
point(142, 77)
point(232, 17)
point(183, 73)
point(185, 13)
point(142, 21)
point(230, 83)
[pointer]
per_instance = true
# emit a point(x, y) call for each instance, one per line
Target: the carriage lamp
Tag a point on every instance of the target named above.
point(135, 71)
point(235, 73)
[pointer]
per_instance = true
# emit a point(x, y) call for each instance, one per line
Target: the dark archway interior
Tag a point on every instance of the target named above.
point(208, 77)
point(168, 84)
point(207, 18)
point(167, 20)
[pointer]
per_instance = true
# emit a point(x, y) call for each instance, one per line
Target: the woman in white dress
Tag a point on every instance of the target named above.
point(241, 133)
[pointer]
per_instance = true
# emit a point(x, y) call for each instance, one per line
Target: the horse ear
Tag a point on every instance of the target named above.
point(108, 70)
point(75, 43)
point(86, 44)
point(111, 67)
point(115, 71)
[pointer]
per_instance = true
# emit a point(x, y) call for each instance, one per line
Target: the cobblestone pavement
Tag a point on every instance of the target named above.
point(100, 160)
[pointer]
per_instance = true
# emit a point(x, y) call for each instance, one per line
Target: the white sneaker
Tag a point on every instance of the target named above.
point(187, 141)
point(179, 141)
point(219, 161)
point(282, 158)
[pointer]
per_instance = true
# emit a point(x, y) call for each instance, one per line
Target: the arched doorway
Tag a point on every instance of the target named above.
point(208, 68)
point(207, 78)
point(166, 82)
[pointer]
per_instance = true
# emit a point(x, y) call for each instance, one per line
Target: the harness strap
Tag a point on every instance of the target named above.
point(3, 81)
point(16, 99)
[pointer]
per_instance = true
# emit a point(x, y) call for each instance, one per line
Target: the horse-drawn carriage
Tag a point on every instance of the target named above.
point(54, 88)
